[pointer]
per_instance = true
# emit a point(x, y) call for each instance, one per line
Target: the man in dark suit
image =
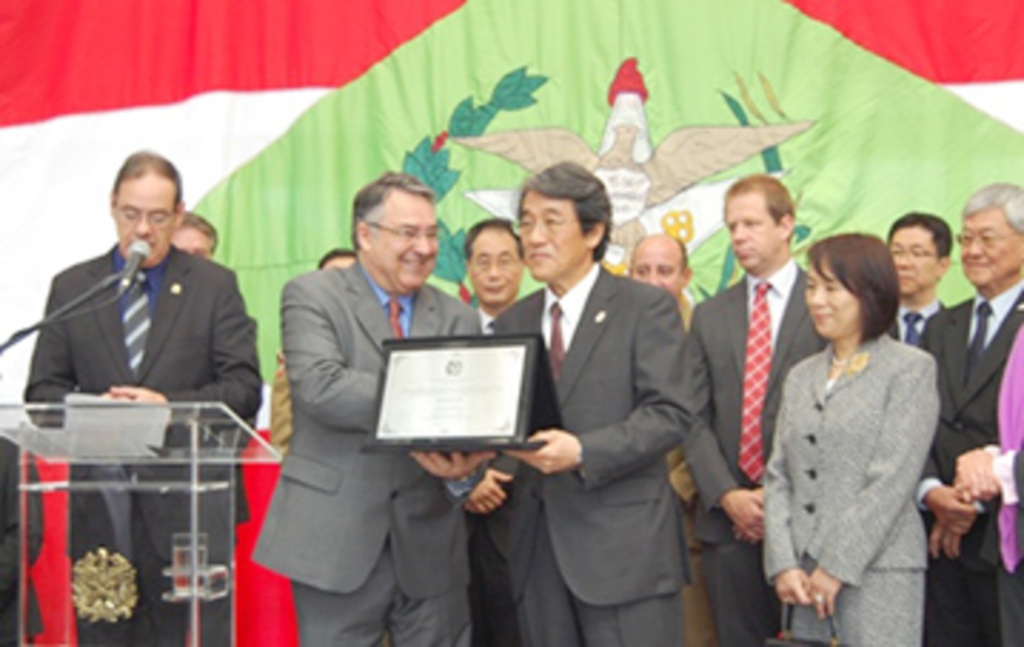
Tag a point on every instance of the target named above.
point(920, 244)
point(494, 263)
point(970, 343)
point(733, 376)
point(370, 541)
point(197, 344)
point(597, 550)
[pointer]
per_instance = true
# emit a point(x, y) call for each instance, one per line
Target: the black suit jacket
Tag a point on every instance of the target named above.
point(968, 418)
point(201, 347)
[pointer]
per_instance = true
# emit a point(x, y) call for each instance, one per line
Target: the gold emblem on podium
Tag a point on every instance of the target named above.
point(103, 586)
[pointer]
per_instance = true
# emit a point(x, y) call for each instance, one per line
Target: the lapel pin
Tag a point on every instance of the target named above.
point(176, 289)
point(600, 317)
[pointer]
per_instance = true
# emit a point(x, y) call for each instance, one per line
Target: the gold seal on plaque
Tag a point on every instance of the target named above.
point(103, 587)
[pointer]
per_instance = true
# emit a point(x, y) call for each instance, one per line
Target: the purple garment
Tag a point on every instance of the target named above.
point(1011, 438)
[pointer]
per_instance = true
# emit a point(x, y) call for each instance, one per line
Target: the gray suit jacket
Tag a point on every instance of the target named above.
point(335, 505)
point(841, 480)
point(713, 383)
point(616, 526)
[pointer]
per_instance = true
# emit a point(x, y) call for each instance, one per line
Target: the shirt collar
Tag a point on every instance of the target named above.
point(927, 312)
point(1002, 304)
point(154, 274)
point(573, 301)
point(383, 297)
point(781, 281)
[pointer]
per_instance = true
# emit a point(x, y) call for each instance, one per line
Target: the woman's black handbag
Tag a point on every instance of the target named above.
point(786, 639)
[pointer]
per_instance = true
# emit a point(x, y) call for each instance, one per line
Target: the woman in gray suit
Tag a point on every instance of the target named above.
point(842, 534)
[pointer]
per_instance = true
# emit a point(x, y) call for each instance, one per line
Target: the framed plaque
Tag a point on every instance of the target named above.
point(464, 393)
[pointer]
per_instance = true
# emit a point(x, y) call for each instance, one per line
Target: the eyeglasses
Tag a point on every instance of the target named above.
point(484, 264)
point(987, 239)
point(915, 253)
point(408, 235)
point(155, 218)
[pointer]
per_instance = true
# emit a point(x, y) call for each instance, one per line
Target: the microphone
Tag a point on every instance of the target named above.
point(138, 251)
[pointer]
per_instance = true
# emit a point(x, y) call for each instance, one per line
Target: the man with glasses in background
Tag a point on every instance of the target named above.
point(970, 343)
point(920, 244)
point(370, 541)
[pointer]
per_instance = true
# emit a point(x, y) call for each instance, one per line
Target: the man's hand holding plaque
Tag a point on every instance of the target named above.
point(561, 452)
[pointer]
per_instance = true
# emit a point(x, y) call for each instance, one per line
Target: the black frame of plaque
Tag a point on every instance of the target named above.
point(538, 402)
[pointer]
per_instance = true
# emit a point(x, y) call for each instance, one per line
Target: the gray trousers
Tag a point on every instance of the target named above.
point(360, 618)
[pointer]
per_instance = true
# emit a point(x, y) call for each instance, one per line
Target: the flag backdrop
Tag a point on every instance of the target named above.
point(277, 111)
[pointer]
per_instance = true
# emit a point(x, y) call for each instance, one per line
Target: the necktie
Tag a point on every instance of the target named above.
point(977, 346)
point(556, 349)
point(912, 334)
point(136, 326)
point(395, 318)
point(755, 383)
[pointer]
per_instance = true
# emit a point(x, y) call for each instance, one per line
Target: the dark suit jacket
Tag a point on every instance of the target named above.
point(201, 347)
point(335, 504)
point(10, 553)
point(713, 382)
point(968, 418)
point(616, 526)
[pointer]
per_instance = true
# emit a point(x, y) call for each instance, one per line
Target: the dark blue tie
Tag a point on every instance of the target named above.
point(912, 334)
point(977, 347)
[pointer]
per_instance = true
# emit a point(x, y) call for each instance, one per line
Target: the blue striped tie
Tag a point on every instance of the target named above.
point(136, 325)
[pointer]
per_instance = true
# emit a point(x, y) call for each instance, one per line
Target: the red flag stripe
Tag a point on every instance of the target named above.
point(944, 42)
point(69, 56)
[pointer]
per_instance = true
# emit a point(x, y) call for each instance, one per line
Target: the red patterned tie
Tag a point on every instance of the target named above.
point(395, 318)
point(556, 349)
point(755, 383)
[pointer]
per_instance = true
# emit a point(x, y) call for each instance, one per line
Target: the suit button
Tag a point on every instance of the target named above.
point(394, 495)
point(809, 508)
point(812, 439)
point(812, 473)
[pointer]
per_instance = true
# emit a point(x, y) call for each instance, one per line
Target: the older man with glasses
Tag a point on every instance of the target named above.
point(970, 343)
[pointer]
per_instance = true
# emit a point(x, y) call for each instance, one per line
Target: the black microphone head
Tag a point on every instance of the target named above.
point(140, 248)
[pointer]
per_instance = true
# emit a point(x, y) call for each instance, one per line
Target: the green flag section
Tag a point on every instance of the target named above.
point(667, 102)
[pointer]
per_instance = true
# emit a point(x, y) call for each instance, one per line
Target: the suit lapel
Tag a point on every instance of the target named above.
point(793, 319)
point(366, 306)
point(954, 349)
point(169, 304)
point(994, 357)
point(426, 319)
point(738, 323)
point(108, 320)
point(595, 319)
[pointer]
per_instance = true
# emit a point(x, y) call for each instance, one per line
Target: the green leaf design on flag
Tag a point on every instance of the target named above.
point(884, 141)
point(451, 260)
point(431, 167)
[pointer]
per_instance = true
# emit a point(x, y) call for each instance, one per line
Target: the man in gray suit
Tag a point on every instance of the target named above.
point(597, 547)
point(759, 214)
point(371, 542)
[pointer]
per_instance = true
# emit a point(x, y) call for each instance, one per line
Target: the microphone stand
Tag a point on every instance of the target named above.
point(66, 310)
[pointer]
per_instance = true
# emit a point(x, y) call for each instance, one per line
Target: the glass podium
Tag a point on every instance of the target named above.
point(128, 515)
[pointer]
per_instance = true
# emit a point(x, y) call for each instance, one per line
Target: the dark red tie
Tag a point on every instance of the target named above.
point(556, 349)
point(755, 383)
point(395, 318)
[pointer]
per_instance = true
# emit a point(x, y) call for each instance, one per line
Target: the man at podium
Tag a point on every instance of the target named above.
point(180, 333)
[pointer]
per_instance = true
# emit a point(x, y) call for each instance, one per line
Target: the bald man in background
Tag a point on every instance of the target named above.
point(662, 261)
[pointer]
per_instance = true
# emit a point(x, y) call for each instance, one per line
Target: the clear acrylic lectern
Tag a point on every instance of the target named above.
point(137, 505)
